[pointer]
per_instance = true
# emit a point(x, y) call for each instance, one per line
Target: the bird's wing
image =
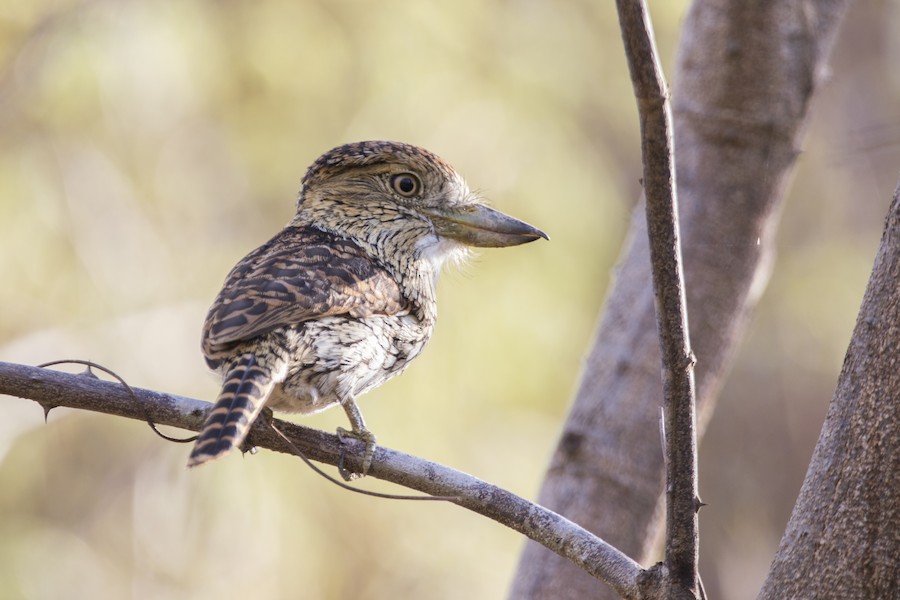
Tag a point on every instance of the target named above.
point(299, 275)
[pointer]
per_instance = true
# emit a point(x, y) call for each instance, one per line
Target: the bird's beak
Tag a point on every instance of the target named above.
point(478, 225)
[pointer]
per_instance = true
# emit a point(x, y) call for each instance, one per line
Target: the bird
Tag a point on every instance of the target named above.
point(343, 297)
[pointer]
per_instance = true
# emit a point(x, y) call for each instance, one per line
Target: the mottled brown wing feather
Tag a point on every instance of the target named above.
point(300, 274)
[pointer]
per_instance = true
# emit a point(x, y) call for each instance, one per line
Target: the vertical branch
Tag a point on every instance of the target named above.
point(746, 74)
point(668, 282)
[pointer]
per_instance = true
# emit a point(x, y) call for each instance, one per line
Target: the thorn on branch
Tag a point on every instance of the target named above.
point(698, 504)
point(47, 408)
point(88, 373)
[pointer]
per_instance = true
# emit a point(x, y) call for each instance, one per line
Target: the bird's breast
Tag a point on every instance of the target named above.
point(338, 358)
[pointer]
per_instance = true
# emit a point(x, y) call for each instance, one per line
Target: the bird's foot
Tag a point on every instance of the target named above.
point(363, 435)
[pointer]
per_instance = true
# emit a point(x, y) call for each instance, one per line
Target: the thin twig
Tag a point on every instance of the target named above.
point(657, 149)
point(599, 559)
point(90, 364)
point(350, 488)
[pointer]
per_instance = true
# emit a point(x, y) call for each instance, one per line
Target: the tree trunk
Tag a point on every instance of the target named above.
point(843, 539)
point(745, 77)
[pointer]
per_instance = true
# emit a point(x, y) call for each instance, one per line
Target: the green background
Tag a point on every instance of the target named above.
point(147, 146)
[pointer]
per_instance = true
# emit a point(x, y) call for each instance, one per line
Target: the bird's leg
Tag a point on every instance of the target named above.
point(360, 432)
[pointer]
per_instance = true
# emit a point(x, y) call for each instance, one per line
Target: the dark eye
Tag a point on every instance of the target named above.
point(406, 184)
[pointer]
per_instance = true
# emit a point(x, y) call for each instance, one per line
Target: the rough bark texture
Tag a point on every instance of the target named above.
point(666, 265)
point(745, 77)
point(843, 538)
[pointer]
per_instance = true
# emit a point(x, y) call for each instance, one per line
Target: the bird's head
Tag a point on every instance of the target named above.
point(375, 190)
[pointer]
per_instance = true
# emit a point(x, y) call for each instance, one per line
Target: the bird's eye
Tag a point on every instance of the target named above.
point(406, 184)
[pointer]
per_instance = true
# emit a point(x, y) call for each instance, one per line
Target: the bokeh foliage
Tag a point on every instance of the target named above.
point(147, 146)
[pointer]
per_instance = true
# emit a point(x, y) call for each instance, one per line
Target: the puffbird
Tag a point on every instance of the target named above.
point(342, 298)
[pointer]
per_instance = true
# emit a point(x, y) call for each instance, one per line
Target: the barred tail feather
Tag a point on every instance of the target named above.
point(245, 391)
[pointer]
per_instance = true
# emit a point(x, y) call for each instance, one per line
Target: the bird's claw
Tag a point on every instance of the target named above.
point(365, 436)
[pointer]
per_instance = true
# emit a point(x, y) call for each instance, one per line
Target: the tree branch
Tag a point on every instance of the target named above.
point(745, 76)
point(53, 388)
point(657, 149)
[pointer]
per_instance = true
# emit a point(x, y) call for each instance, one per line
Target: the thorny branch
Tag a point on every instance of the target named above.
point(680, 420)
point(52, 388)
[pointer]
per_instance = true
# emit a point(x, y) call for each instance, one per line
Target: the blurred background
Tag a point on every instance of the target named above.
point(147, 146)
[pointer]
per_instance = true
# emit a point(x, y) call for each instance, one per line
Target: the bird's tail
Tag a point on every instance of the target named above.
point(244, 393)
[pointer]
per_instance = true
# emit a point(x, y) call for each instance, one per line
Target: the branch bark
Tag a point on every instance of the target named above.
point(745, 76)
point(53, 388)
point(651, 92)
point(843, 538)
